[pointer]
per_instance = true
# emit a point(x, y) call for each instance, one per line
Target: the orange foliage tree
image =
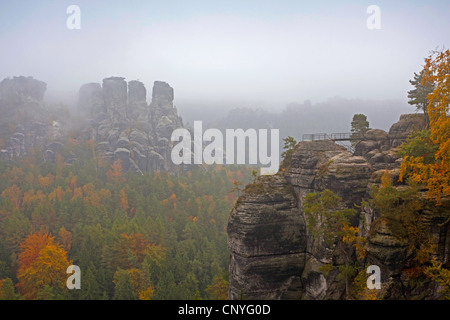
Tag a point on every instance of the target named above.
point(46, 181)
point(114, 174)
point(435, 174)
point(91, 197)
point(123, 200)
point(218, 290)
point(65, 238)
point(134, 244)
point(41, 262)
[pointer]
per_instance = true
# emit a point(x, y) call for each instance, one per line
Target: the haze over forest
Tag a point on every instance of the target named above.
point(221, 56)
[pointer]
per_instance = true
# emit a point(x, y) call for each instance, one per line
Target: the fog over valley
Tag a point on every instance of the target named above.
point(219, 57)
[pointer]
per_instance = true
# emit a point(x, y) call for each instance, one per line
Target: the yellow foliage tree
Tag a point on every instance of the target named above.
point(41, 263)
point(147, 294)
point(435, 175)
point(441, 276)
point(350, 235)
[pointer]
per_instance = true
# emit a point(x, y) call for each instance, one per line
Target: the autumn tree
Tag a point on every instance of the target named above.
point(31, 247)
point(65, 238)
point(168, 252)
point(42, 262)
point(14, 194)
point(419, 144)
point(129, 250)
point(351, 236)
point(325, 220)
point(400, 209)
point(434, 174)
point(330, 224)
point(441, 276)
point(123, 200)
point(147, 293)
point(218, 290)
point(115, 173)
point(359, 289)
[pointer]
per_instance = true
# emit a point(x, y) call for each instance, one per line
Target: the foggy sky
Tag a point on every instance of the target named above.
point(274, 51)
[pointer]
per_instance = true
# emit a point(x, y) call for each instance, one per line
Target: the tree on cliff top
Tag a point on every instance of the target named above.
point(435, 174)
point(419, 95)
point(289, 145)
point(359, 126)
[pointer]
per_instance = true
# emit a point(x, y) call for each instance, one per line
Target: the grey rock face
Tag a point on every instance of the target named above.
point(400, 130)
point(19, 91)
point(24, 121)
point(136, 92)
point(129, 129)
point(272, 254)
point(120, 121)
point(162, 94)
point(115, 96)
point(90, 98)
point(265, 223)
point(268, 224)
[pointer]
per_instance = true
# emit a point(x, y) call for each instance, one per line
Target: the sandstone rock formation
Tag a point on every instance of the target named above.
point(296, 259)
point(115, 114)
point(24, 121)
point(268, 240)
point(272, 254)
point(125, 127)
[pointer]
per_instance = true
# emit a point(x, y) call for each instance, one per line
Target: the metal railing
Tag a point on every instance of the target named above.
point(346, 136)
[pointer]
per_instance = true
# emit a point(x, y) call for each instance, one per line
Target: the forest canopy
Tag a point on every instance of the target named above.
point(152, 236)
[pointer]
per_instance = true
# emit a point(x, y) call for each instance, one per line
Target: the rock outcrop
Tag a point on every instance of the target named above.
point(267, 237)
point(24, 121)
point(400, 130)
point(115, 114)
point(294, 259)
point(272, 254)
point(125, 127)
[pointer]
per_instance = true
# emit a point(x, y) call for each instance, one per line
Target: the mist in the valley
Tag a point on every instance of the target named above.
point(303, 67)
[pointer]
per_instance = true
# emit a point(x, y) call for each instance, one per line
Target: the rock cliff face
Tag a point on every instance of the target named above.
point(125, 127)
point(115, 114)
point(272, 254)
point(24, 121)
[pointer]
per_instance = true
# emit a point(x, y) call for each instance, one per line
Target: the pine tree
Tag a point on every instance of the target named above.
point(123, 289)
point(419, 95)
point(7, 290)
point(359, 126)
point(289, 145)
point(90, 290)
